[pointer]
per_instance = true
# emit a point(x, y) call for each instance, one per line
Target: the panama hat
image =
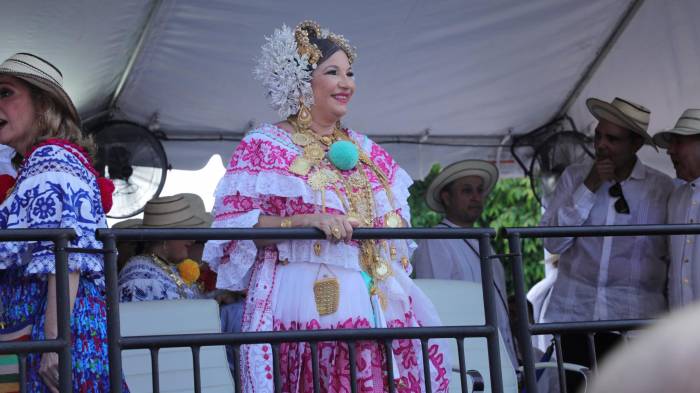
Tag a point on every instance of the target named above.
point(173, 212)
point(128, 224)
point(197, 204)
point(623, 113)
point(687, 124)
point(457, 170)
point(42, 74)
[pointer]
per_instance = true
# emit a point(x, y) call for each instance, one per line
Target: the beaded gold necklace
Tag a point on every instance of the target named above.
point(165, 266)
point(359, 197)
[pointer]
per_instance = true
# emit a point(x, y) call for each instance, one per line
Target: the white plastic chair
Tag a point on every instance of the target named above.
point(174, 364)
point(461, 303)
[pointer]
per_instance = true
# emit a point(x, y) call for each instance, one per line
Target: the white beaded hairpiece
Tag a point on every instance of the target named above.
point(285, 73)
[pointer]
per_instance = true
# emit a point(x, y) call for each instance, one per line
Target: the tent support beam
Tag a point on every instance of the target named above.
point(136, 51)
point(439, 140)
point(622, 24)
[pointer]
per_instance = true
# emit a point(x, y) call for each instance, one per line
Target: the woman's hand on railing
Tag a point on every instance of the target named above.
point(336, 227)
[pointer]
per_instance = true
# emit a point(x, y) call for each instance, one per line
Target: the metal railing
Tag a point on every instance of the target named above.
point(62, 343)
point(384, 337)
point(525, 329)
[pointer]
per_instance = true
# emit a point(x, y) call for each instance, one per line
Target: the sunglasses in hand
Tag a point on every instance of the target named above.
point(621, 205)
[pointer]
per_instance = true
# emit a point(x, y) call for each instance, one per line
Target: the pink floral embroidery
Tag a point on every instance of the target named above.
point(266, 151)
point(384, 161)
point(371, 365)
point(258, 155)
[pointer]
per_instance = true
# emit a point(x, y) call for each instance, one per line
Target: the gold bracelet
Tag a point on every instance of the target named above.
point(286, 222)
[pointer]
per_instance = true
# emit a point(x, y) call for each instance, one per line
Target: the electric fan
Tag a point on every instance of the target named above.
point(552, 156)
point(134, 159)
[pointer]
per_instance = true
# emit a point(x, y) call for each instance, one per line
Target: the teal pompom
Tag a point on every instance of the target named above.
point(344, 155)
point(369, 281)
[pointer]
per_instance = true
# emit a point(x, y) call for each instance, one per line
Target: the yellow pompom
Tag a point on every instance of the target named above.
point(189, 271)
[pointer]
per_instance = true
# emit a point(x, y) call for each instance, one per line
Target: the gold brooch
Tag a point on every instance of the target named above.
point(381, 269)
point(301, 139)
point(321, 179)
point(314, 152)
point(392, 220)
point(301, 166)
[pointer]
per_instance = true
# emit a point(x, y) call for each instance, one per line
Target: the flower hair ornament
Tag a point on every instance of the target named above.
point(285, 65)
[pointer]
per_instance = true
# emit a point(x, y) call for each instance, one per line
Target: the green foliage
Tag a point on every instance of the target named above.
point(421, 215)
point(510, 204)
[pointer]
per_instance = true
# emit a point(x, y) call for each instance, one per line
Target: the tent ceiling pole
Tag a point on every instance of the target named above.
point(625, 19)
point(136, 51)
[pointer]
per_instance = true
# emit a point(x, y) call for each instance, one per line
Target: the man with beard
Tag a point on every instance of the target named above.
point(459, 192)
point(683, 146)
point(609, 278)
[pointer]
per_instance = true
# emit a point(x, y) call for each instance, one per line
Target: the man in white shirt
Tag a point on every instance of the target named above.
point(459, 192)
point(609, 278)
point(683, 145)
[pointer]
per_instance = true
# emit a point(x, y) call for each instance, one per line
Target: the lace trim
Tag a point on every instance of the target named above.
point(232, 260)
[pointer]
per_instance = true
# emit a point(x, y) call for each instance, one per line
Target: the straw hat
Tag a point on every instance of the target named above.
point(175, 212)
point(687, 124)
point(197, 204)
point(42, 74)
point(623, 113)
point(128, 224)
point(452, 172)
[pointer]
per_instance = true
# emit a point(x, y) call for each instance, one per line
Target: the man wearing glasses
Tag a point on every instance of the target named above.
point(609, 278)
point(683, 146)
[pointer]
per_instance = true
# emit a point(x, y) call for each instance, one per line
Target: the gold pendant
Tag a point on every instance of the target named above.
point(317, 249)
point(301, 139)
point(392, 220)
point(301, 166)
point(327, 295)
point(404, 262)
point(314, 152)
point(392, 252)
point(381, 269)
point(327, 139)
point(321, 179)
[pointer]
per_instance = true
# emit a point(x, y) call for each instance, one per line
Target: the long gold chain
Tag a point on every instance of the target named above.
point(361, 203)
point(179, 282)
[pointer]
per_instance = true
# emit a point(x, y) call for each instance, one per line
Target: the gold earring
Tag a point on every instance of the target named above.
point(304, 116)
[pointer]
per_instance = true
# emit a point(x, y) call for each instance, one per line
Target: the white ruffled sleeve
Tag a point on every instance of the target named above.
point(255, 184)
point(54, 190)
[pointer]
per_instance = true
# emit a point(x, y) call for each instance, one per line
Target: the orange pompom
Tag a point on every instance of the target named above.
point(189, 271)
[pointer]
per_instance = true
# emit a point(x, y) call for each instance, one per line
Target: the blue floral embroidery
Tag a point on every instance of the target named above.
point(55, 190)
point(44, 207)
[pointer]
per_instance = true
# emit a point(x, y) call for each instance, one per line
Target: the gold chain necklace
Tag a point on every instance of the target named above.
point(165, 266)
point(359, 204)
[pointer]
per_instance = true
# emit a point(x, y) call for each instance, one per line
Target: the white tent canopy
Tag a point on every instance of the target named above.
point(464, 73)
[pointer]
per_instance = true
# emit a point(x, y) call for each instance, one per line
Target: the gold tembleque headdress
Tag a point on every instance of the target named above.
point(287, 60)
